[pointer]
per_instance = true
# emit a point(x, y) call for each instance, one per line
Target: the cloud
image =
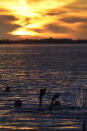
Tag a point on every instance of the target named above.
point(5, 26)
point(38, 30)
point(81, 32)
point(57, 28)
point(56, 12)
point(7, 18)
point(83, 27)
point(80, 2)
point(3, 10)
point(73, 19)
point(26, 21)
point(78, 6)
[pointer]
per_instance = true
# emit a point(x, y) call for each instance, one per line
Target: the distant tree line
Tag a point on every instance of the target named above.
point(43, 41)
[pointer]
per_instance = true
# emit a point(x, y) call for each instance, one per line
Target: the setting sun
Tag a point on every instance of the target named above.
point(22, 32)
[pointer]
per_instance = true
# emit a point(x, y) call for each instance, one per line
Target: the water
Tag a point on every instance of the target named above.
point(58, 68)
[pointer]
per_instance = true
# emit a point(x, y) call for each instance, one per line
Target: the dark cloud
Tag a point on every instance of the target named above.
point(54, 12)
point(4, 28)
point(27, 21)
point(74, 19)
point(80, 2)
point(3, 10)
point(78, 6)
point(38, 30)
point(83, 27)
point(57, 28)
point(7, 18)
point(5, 25)
point(81, 33)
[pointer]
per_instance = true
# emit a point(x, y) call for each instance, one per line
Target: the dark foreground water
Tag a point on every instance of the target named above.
point(58, 68)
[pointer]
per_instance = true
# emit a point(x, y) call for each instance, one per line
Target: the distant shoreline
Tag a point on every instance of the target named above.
point(44, 41)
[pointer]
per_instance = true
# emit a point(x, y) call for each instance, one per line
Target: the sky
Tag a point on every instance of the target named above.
point(24, 19)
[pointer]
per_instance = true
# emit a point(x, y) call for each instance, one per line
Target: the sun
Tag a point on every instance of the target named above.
point(22, 32)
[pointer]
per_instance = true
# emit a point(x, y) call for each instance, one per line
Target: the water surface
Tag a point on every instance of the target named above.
point(58, 68)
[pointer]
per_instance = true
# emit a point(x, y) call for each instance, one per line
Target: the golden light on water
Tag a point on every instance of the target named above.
point(19, 128)
point(43, 18)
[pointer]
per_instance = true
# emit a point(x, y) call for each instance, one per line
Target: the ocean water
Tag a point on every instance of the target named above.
point(28, 68)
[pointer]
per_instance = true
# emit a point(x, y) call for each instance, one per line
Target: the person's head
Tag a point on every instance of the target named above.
point(7, 89)
point(42, 92)
point(18, 103)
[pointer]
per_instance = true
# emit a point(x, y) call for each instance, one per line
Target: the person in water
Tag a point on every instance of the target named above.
point(42, 92)
point(7, 89)
point(18, 103)
point(54, 101)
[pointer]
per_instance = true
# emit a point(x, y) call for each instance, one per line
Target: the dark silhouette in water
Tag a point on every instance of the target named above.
point(57, 103)
point(42, 92)
point(18, 103)
point(54, 101)
point(84, 126)
point(7, 89)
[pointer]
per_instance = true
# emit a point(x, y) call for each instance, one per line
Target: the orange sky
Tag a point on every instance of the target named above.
point(43, 19)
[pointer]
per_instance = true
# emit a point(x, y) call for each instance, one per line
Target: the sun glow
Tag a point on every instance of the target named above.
point(23, 32)
point(35, 17)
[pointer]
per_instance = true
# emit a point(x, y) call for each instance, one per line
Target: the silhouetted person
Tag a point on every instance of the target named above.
point(57, 103)
point(18, 103)
point(42, 92)
point(7, 89)
point(54, 101)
